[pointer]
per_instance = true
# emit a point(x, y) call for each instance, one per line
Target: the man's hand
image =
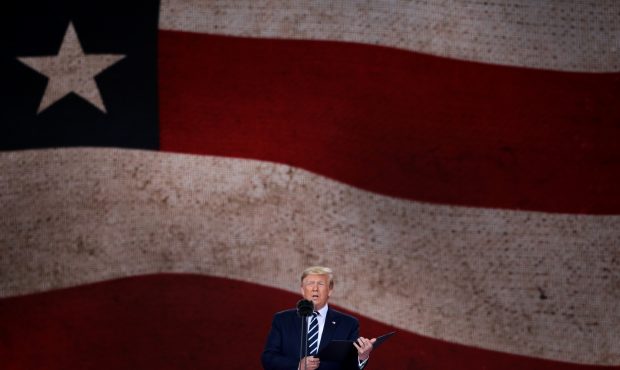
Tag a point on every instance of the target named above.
point(363, 346)
point(309, 363)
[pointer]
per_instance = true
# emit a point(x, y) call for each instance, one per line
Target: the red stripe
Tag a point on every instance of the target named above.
point(189, 321)
point(397, 122)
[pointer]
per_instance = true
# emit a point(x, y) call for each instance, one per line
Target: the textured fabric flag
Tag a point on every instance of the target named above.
point(168, 169)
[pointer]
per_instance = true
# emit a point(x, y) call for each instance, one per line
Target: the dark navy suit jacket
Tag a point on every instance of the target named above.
point(282, 349)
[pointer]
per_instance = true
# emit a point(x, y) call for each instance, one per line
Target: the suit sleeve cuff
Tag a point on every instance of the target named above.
point(361, 364)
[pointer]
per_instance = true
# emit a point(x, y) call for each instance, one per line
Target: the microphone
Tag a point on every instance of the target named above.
point(305, 308)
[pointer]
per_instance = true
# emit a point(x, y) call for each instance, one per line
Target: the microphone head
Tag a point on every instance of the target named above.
point(305, 307)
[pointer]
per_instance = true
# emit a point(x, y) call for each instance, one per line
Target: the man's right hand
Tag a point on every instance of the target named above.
point(309, 363)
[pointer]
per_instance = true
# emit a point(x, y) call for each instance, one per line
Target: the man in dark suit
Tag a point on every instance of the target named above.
point(282, 351)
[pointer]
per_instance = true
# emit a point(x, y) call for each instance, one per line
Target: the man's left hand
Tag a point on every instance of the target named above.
point(363, 346)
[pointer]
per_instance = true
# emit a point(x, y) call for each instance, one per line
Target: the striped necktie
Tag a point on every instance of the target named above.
point(313, 335)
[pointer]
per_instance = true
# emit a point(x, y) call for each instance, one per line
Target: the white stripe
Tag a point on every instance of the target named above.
point(536, 284)
point(566, 35)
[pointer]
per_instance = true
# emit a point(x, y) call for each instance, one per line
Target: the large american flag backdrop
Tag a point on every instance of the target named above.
point(167, 170)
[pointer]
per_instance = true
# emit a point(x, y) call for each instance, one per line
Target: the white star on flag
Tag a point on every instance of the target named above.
point(71, 71)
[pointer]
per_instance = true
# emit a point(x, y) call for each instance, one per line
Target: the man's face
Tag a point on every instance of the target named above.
point(315, 288)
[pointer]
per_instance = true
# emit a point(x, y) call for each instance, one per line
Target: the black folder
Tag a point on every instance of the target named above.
point(338, 350)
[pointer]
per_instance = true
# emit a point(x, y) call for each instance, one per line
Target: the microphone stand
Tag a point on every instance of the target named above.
point(304, 309)
point(303, 346)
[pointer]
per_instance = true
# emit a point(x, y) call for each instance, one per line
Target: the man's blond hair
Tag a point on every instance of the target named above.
point(319, 270)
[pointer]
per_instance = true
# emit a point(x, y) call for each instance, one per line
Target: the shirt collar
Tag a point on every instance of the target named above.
point(323, 311)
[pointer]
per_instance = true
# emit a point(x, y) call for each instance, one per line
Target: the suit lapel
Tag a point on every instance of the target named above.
point(297, 322)
point(331, 322)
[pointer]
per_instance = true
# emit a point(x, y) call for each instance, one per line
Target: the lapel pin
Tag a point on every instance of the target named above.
point(333, 323)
